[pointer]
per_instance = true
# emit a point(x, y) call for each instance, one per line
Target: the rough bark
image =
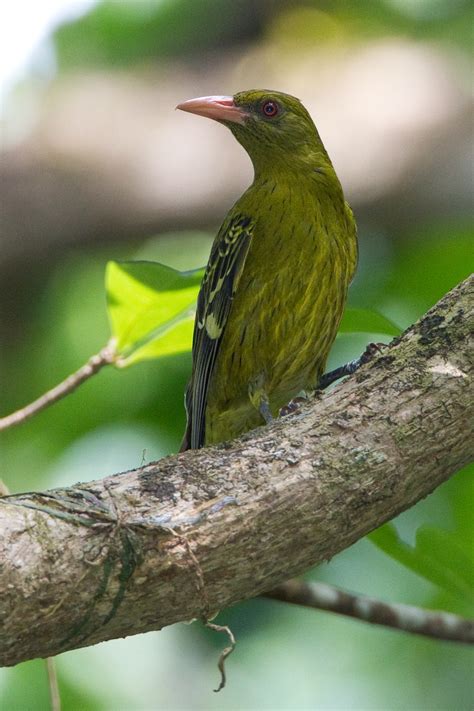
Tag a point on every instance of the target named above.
point(191, 534)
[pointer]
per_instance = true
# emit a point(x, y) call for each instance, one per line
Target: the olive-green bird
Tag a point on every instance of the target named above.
point(276, 282)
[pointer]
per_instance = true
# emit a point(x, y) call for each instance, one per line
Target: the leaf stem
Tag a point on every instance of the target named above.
point(95, 363)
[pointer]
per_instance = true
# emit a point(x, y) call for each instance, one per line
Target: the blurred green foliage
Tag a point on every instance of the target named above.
point(121, 33)
point(133, 31)
point(440, 556)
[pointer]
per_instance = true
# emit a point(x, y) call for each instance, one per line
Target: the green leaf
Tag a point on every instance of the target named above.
point(437, 556)
point(367, 321)
point(151, 309)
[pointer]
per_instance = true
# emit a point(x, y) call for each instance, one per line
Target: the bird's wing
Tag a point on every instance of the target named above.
point(219, 284)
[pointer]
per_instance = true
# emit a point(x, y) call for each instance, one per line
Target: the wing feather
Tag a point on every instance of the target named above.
point(219, 284)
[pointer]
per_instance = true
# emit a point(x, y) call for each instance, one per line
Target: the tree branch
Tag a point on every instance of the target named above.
point(99, 561)
point(95, 363)
point(431, 623)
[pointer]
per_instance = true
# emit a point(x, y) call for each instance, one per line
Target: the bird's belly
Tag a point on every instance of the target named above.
point(279, 333)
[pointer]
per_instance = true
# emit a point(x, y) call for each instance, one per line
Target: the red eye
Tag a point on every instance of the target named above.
point(270, 109)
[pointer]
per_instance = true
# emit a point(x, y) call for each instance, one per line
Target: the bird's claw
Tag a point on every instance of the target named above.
point(293, 406)
point(371, 350)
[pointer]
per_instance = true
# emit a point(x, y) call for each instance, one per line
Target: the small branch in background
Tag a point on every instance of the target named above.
point(105, 357)
point(417, 620)
point(55, 698)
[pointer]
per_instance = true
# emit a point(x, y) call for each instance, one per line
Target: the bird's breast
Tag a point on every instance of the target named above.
point(288, 303)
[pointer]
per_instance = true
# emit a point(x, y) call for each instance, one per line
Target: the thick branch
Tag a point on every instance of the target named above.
point(430, 623)
point(99, 560)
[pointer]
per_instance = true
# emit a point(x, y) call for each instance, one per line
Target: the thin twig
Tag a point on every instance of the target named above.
point(225, 652)
point(55, 698)
point(417, 620)
point(94, 364)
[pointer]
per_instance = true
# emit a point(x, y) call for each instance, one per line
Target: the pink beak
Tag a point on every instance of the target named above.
point(219, 108)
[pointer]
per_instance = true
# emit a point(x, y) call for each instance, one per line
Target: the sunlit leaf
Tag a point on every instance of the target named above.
point(436, 556)
point(151, 309)
point(367, 321)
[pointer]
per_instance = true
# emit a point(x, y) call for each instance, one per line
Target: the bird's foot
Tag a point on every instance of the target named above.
point(293, 406)
point(371, 350)
point(349, 368)
point(265, 412)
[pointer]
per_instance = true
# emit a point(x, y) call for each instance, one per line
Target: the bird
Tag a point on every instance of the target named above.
point(275, 286)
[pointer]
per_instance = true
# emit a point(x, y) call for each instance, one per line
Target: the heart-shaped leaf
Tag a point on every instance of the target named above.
point(151, 309)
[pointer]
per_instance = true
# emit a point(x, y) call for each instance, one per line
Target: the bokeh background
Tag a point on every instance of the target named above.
point(95, 164)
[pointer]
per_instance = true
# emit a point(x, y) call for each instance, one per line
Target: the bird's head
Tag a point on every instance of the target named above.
point(275, 128)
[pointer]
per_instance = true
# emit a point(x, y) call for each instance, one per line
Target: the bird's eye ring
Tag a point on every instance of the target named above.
point(270, 109)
